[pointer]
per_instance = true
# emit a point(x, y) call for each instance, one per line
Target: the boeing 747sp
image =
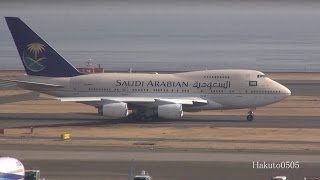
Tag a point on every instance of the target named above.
point(145, 96)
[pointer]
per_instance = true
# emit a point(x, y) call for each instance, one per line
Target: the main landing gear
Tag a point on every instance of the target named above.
point(250, 116)
point(142, 116)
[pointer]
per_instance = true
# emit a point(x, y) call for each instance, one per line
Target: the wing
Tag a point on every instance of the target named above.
point(20, 97)
point(137, 101)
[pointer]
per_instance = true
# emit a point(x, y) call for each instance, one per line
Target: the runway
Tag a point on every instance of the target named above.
point(302, 87)
point(116, 163)
point(69, 163)
point(115, 170)
point(9, 120)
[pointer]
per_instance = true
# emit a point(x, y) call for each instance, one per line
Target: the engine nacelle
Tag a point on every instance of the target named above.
point(170, 111)
point(115, 110)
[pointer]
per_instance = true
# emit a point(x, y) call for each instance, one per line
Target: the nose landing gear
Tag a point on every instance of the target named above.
point(250, 116)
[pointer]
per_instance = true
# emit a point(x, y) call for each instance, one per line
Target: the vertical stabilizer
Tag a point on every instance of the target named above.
point(38, 58)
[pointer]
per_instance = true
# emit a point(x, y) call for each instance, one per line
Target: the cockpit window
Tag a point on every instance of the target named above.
point(261, 76)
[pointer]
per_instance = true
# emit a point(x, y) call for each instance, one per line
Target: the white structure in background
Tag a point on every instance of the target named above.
point(279, 178)
point(11, 169)
point(143, 176)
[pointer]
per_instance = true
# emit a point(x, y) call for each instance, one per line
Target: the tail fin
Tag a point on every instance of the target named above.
point(38, 58)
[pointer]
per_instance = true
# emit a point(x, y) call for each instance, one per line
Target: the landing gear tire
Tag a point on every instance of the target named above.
point(100, 112)
point(140, 116)
point(250, 117)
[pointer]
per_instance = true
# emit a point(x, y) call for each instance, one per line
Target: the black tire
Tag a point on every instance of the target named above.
point(100, 112)
point(149, 118)
point(250, 118)
point(130, 117)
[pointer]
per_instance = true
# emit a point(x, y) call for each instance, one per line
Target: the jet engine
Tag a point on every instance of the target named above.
point(170, 111)
point(115, 110)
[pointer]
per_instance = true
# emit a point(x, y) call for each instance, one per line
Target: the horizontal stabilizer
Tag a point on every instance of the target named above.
point(7, 84)
point(20, 97)
point(31, 83)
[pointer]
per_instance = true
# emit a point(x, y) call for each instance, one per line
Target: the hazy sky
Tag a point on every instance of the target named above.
point(174, 34)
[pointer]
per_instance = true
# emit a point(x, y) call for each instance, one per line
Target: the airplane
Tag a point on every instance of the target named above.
point(11, 169)
point(139, 95)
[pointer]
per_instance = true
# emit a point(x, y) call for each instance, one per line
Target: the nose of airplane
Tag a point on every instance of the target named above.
point(286, 91)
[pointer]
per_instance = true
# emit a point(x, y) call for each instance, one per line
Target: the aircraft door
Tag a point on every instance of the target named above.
point(75, 90)
point(124, 91)
point(245, 85)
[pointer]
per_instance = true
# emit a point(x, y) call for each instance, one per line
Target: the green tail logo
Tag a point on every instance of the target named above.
point(33, 57)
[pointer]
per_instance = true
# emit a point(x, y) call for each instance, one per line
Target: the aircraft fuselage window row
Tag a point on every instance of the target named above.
point(183, 90)
point(217, 91)
point(101, 89)
point(264, 92)
point(139, 90)
point(172, 90)
point(222, 77)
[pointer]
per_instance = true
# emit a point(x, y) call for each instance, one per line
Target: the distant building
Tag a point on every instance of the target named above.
point(86, 70)
point(89, 69)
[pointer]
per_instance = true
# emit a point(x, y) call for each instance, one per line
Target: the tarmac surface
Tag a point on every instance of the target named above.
point(71, 163)
point(112, 163)
point(159, 170)
point(302, 87)
point(26, 120)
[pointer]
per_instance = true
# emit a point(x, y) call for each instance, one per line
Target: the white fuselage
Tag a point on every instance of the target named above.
point(223, 89)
